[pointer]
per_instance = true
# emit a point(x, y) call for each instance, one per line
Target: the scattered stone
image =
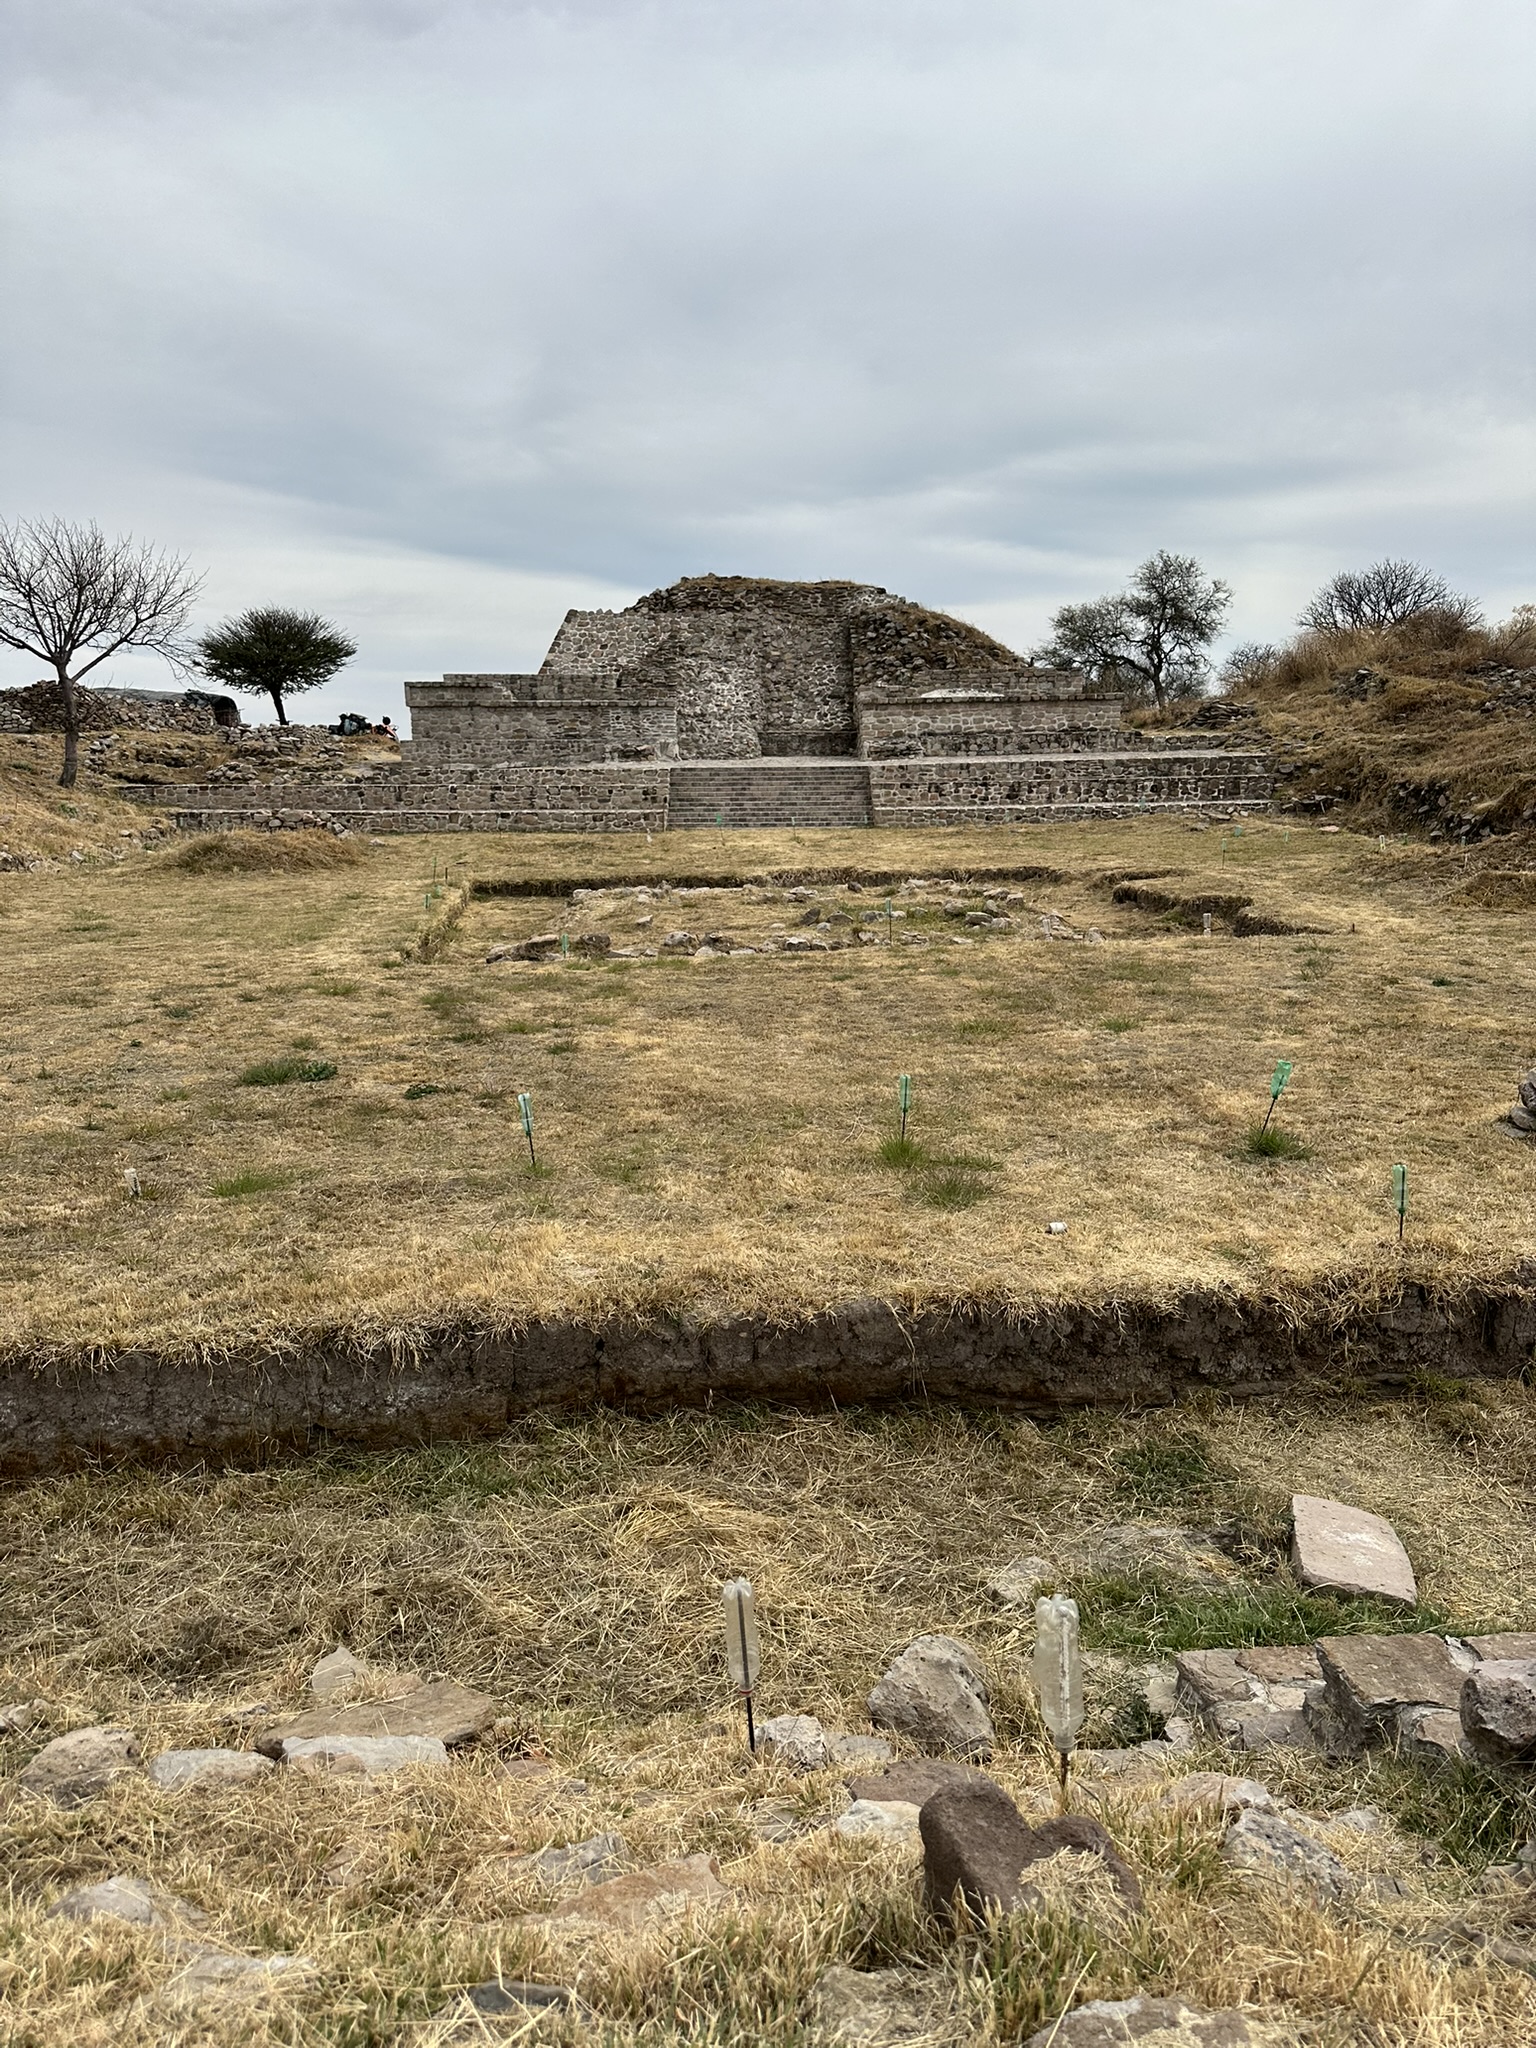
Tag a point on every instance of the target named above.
point(663, 1892)
point(540, 947)
point(976, 1842)
point(876, 2008)
point(174, 1769)
point(74, 1768)
point(1160, 2023)
point(369, 1756)
point(215, 1977)
point(1498, 1709)
point(1158, 1685)
point(1267, 1728)
point(17, 1718)
point(1514, 1646)
point(1136, 1765)
point(339, 1672)
point(1213, 1791)
point(914, 1781)
point(1347, 1550)
point(1281, 1663)
point(935, 1693)
point(1264, 1845)
point(466, 2015)
point(452, 1713)
point(795, 1739)
point(1370, 1680)
point(1434, 1733)
point(850, 1751)
point(593, 944)
point(131, 1899)
point(590, 1862)
point(1137, 1548)
point(1361, 1820)
point(1213, 1678)
point(1021, 1583)
point(893, 1820)
point(772, 1821)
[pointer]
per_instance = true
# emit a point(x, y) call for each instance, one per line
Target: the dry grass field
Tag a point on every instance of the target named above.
point(572, 1569)
point(714, 1135)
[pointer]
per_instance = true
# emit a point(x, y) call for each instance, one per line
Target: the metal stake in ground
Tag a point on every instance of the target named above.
point(1277, 1082)
point(525, 1111)
point(741, 1658)
point(1059, 1676)
point(1400, 1197)
point(904, 1101)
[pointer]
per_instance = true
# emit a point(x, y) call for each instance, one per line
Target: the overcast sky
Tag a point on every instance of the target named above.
point(440, 316)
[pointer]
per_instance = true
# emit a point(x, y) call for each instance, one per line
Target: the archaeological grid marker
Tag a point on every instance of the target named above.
point(1400, 1197)
point(741, 1655)
point(525, 1111)
point(904, 1100)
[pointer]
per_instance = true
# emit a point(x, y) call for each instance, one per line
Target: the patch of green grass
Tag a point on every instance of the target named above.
point(981, 1027)
point(337, 988)
point(1143, 1616)
point(1166, 1469)
point(902, 1152)
point(418, 1089)
point(276, 1073)
point(254, 1181)
point(1477, 1815)
point(1119, 1024)
point(1273, 1143)
point(306, 1043)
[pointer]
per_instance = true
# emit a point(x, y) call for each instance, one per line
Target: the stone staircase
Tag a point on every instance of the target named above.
point(767, 793)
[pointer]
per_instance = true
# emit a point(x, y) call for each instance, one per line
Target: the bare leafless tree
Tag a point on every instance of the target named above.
point(67, 591)
point(1387, 594)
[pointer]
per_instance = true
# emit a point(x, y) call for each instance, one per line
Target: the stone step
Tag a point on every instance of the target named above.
point(768, 793)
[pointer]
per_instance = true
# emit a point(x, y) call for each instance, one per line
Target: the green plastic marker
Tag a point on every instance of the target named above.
point(525, 1111)
point(904, 1100)
point(1277, 1081)
point(890, 922)
point(565, 946)
point(1400, 1197)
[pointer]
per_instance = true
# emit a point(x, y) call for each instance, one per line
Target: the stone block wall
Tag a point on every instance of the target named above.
point(491, 718)
point(948, 724)
point(38, 707)
point(980, 792)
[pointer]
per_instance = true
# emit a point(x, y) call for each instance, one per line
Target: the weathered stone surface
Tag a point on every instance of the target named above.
point(174, 1769)
point(463, 2019)
point(798, 1740)
point(213, 1978)
point(1498, 1709)
point(132, 1899)
point(889, 1820)
point(663, 1892)
point(19, 1716)
point(368, 1756)
point(1215, 1792)
point(1021, 1582)
point(1349, 1551)
point(1263, 1845)
point(339, 1672)
point(1210, 1678)
point(452, 1713)
point(1513, 1647)
point(858, 1752)
point(1266, 1728)
point(1160, 2023)
point(590, 1862)
point(935, 1693)
point(1431, 1732)
point(914, 1781)
point(976, 1842)
point(1281, 1664)
point(876, 2008)
point(1368, 1679)
point(1146, 1549)
point(76, 1767)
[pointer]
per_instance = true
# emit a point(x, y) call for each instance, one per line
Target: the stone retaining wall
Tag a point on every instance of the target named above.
point(992, 724)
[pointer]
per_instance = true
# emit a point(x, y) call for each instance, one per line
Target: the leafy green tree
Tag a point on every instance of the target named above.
point(273, 652)
point(67, 592)
point(1150, 639)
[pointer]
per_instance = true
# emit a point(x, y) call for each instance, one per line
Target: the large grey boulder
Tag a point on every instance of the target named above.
point(1347, 1550)
point(1263, 1845)
point(1160, 2023)
point(935, 1693)
point(1498, 1709)
point(76, 1767)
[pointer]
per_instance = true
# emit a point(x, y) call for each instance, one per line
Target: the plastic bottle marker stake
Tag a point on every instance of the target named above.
point(1277, 1082)
point(1205, 923)
point(525, 1111)
point(1059, 1675)
point(904, 1100)
point(1400, 1197)
point(741, 1658)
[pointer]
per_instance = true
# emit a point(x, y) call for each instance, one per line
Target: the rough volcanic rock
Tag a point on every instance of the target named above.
point(1160, 2023)
point(1498, 1709)
point(76, 1767)
point(1369, 1680)
point(1020, 1582)
point(1347, 1550)
point(663, 1892)
point(798, 1740)
point(1263, 1845)
point(452, 1713)
point(914, 1781)
point(935, 1693)
point(849, 1752)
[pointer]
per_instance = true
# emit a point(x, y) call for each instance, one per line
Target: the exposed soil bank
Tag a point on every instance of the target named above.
point(138, 1405)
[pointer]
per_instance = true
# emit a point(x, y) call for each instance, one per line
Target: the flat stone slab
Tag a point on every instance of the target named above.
point(878, 2008)
point(1514, 1647)
point(450, 1712)
point(214, 1978)
point(1215, 1792)
point(881, 1820)
point(369, 1756)
point(664, 1892)
point(1348, 1550)
point(1281, 1663)
point(1161, 2023)
point(175, 1769)
point(1211, 1678)
point(76, 1767)
point(572, 1863)
point(133, 1900)
point(912, 1783)
point(1369, 1679)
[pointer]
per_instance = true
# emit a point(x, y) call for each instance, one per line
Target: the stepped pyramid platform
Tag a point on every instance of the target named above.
point(734, 702)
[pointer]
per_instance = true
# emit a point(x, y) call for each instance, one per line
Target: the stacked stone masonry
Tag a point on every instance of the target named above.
point(739, 702)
